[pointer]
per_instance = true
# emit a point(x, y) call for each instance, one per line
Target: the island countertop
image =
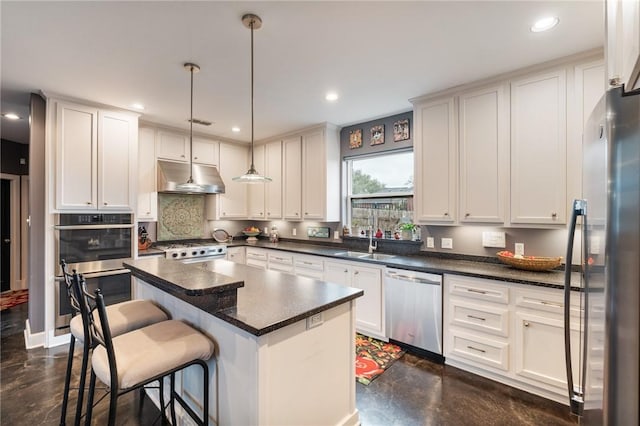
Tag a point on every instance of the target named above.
point(269, 300)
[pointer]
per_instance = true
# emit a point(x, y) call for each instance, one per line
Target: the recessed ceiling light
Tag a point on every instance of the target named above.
point(331, 96)
point(137, 106)
point(11, 116)
point(235, 129)
point(545, 24)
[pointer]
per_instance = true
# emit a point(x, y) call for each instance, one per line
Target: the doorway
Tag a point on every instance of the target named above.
point(5, 235)
point(10, 240)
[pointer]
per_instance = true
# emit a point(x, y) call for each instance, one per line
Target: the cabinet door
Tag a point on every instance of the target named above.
point(370, 307)
point(117, 160)
point(538, 149)
point(236, 254)
point(338, 273)
point(435, 162)
point(484, 156)
point(623, 42)
point(256, 191)
point(313, 176)
point(205, 152)
point(292, 178)
point(147, 208)
point(273, 189)
point(539, 348)
point(76, 157)
point(233, 162)
point(172, 146)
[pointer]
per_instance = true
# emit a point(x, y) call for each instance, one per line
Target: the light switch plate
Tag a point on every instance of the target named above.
point(493, 239)
point(446, 243)
point(430, 242)
point(519, 249)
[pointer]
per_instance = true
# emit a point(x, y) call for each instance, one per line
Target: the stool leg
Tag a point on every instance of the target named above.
point(92, 389)
point(172, 402)
point(205, 393)
point(113, 403)
point(67, 381)
point(161, 395)
point(83, 381)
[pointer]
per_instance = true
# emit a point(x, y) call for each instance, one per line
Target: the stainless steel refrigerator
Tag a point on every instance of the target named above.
point(604, 387)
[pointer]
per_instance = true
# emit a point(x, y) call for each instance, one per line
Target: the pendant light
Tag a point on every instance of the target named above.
point(190, 186)
point(253, 22)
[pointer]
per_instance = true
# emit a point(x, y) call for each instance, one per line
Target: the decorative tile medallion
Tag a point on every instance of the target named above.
point(180, 216)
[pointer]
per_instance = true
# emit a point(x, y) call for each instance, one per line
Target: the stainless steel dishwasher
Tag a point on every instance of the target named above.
point(414, 308)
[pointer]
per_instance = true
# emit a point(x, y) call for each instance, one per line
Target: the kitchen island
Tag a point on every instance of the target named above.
point(284, 344)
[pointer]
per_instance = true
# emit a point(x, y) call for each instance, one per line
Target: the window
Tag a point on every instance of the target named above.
point(379, 192)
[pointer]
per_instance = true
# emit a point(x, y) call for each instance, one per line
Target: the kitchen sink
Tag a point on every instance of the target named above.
point(363, 255)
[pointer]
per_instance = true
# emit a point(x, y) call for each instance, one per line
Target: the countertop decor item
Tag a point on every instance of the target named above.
point(221, 236)
point(529, 263)
point(253, 22)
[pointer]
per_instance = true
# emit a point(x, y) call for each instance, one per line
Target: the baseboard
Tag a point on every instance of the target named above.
point(32, 340)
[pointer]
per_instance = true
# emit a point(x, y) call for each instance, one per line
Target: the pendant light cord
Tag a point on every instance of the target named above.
point(191, 133)
point(252, 165)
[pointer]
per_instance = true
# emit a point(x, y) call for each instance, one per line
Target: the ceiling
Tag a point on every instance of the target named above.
point(375, 55)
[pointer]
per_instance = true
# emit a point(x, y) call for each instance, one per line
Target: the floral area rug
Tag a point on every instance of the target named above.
point(373, 357)
point(10, 299)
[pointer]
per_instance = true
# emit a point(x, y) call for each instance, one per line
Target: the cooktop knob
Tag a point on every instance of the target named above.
point(174, 254)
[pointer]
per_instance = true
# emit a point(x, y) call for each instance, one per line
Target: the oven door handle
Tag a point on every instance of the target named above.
point(88, 227)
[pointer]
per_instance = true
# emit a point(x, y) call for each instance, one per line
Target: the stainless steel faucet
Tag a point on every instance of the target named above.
point(372, 246)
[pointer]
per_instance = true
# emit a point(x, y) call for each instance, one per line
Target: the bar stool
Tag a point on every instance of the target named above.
point(123, 317)
point(137, 358)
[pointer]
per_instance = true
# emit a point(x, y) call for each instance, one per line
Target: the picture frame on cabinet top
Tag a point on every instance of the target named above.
point(355, 138)
point(401, 131)
point(377, 135)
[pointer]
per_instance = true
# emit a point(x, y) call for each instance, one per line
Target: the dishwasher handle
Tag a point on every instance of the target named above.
point(413, 279)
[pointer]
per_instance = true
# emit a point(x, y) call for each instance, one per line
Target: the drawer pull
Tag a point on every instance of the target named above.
point(473, 290)
point(526, 324)
point(555, 305)
point(476, 349)
point(474, 317)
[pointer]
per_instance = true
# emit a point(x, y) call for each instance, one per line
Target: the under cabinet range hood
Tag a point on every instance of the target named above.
point(173, 178)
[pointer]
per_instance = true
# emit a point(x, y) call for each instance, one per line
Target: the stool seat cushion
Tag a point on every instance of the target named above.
point(147, 352)
point(123, 317)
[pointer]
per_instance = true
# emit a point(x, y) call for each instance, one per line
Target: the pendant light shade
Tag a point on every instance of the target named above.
point(253, 22)
point(190, 186)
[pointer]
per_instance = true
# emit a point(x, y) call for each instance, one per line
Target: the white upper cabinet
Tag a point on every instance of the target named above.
point(484, 154)
point(292, 178)
point(172, 146)
point(623, 42)
point(233, 203)
point(205, 151)
point(273, 190)
point(435, 157)
point(96, 156)
point(147, 208)
point(538, 149)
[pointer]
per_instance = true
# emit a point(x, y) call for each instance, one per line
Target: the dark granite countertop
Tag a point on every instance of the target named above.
point(268, 301)
point(434, 264)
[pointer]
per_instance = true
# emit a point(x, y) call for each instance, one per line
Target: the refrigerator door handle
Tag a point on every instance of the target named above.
point(576, 399)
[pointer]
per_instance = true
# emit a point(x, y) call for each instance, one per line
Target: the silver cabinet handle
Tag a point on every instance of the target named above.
point(475, 317)
point(88, 203)
point(476, 349)
point(555, 305)
point(473, 290)
point(85, 227)
point(526, 324)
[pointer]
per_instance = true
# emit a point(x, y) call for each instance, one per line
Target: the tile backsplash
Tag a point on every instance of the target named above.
point(180, 216)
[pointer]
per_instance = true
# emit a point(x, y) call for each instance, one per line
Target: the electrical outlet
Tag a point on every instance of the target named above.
point(294, 232)
point(594, 244)
point(314, 320)
point(430, 242)
point(519, 249)
point(446, 243)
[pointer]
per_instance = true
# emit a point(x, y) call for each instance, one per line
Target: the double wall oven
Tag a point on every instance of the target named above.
point(94, 245)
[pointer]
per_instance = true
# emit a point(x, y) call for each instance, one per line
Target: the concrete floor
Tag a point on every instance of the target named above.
point(413, 391)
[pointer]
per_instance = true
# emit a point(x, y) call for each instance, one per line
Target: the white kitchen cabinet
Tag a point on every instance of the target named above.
point(623, 42)
point(236, 254)
point(147, 208)
point(256, 257)
point(280, 261)
point(292, 178)
point(96, 157)
point(370, 312)
point(255, 192)
point(538, 149)
point(321, 175)
point(435, 157)
point(205, 151)
point(172, 146)
point(233, 162)
point(309, 266)
point(265, 200)
point(484, 154)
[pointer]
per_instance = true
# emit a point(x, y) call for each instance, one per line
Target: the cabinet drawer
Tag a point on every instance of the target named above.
point(309, 263)
point(281, 259)
point(477, 288)
point(548, 301)
point(493, 320)
point(478, 349)
point(257, 255)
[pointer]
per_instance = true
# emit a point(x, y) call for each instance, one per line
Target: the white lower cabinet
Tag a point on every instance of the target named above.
point(370, 315)
point(236, 254)
point(309, 266)
point(280, 261)
point(256, 257)
point(511, 333)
